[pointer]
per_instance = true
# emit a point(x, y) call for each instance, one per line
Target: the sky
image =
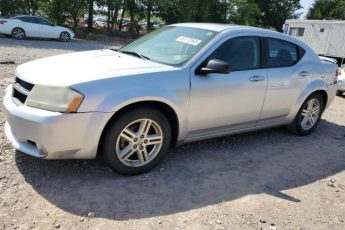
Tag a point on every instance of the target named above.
point(306, 5)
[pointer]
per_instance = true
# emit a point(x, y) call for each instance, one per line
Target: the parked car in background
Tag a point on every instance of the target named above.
point(23, 26)
point(182, 83)
point(341, 81)
point(100, 22)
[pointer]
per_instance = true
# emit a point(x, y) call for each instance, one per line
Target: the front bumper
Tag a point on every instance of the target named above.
point(53, 135)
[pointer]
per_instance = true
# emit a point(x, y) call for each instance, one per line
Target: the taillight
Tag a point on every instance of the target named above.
point(2, 22)
point(337, 74)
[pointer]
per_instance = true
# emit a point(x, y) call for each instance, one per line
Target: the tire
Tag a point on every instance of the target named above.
point(131, 150)
point(18, 33)
point(339, 93)
point(309, 116)
point(65, 37)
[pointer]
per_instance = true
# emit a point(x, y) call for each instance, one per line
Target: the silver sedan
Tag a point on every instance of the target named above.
point(182, 83)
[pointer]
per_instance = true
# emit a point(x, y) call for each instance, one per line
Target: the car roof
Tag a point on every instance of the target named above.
point(231, 27)
point(217, 27)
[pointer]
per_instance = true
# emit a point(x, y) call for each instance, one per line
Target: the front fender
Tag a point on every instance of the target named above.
point(126, 97)
point(111, 95)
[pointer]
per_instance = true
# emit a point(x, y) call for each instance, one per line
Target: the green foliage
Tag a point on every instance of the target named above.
point(327, 9)
point(263, 13)
point(274, 12)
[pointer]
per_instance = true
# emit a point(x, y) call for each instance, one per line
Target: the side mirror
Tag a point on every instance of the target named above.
point(214, 66)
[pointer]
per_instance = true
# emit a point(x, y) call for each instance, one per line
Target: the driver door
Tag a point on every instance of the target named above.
point(221, 103)
point(47, 30)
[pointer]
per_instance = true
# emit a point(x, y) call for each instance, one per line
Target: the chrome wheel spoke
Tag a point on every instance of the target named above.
point(305, 113)
point(143, 155)
point(129, 135)
point(311, 121)
point(310, 105)
point(127, 152)
point(304, 123)
point(154, 140)
point(315, 110)
point(144, 127)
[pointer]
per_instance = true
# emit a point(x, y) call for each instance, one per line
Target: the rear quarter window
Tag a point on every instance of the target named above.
point(282, 53)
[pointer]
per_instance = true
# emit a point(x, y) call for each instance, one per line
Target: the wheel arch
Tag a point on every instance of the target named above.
point(318, 86)
point(166, 109)
point(18, 27)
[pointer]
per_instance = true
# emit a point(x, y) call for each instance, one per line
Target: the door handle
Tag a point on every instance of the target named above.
point(303, 74)
point(257, 78)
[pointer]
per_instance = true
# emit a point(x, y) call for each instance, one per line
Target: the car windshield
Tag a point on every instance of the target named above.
point(172, 45)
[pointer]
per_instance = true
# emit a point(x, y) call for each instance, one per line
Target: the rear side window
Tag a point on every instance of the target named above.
point(242, 53)
point(282, 53)
point(27, 19)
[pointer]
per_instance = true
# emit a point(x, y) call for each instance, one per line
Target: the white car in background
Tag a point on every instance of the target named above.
point(341, 81)
point(22, 26)
point(100, 22)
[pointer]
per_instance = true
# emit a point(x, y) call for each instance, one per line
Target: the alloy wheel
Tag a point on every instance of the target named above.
point(18, 34)
point(64, 37)
point(139, 142)
point(310, 114)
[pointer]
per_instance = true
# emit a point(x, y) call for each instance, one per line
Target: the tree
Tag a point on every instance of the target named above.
point(273, 13)
point(90, 19)
point(19, 7)
point(327, 9)
point(74, 9)
point(244, 12)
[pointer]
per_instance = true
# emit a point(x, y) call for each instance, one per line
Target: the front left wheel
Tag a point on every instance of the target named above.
point(137, 141)
point(65, 36)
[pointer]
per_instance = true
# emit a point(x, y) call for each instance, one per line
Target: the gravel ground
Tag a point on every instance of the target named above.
point(261, 180)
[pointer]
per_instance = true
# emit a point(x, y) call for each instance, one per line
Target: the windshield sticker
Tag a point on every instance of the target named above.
point(189, 40)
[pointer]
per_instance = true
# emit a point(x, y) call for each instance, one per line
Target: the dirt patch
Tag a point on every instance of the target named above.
point(260, 180)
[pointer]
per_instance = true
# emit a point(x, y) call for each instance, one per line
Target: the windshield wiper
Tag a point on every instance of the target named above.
point(134, 54)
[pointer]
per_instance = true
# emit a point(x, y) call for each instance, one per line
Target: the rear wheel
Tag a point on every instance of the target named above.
point(308, 116)
point(18, 33)
point(137, 141)
point(65, 36)
point(339, 93)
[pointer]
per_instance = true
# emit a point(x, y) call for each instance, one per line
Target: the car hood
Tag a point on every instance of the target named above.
point(80, 67)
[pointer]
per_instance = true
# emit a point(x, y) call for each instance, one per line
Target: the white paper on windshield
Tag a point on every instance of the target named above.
point(189, 40)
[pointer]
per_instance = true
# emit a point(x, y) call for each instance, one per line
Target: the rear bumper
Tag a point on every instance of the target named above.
point(341, 86)
point(331, 92)
point(53, 135)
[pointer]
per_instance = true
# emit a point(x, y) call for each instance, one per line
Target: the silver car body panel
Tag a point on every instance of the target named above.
point(206, 106)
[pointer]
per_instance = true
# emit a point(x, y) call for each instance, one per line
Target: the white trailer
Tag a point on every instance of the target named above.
point(326, 37)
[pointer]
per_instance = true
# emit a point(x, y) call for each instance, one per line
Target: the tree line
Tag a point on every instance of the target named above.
point(260, 13)
point(327, 10)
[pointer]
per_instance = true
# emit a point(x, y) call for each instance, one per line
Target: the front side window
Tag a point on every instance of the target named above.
point(43, 22)
point(282, 53)
point(172, 45)
point(241, 53)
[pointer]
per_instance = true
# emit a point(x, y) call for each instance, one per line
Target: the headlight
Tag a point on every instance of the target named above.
point(58, 99)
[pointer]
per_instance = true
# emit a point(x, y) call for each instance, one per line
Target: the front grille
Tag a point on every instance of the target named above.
point(21, 90)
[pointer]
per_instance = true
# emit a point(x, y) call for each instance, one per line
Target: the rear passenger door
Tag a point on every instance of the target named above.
point(287, 77)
